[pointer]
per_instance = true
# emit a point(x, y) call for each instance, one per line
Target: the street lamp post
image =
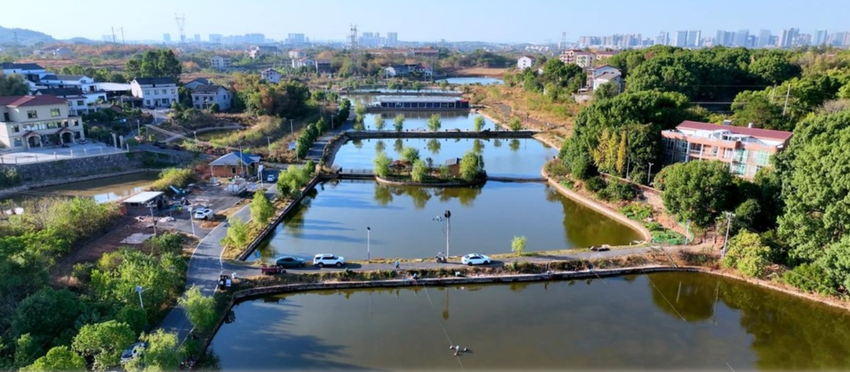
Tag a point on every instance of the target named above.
point(448, 215)
point(729, 217)
point(139, 290)
point(291, 130)
point(649, 175)
point(153, 220)
point(368, 244)
point(191, 220)
point(269, 141)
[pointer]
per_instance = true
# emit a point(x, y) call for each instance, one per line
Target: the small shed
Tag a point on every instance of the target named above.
point(142, 200)
point(454, 166)
point(235, 164)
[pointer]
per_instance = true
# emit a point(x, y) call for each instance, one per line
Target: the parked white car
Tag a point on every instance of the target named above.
point(203, 214)
point(475, 259)
point(328, 259)
point(132, 352)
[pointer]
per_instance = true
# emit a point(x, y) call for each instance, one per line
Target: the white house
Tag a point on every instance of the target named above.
point(79, 102)
point(603, 69)
point(303, 62)
point(63, 52)
point(31, 71)
point(295, 54)
point(258, 50)
point(37, 121)
point(525, 62)
point(271, 75)
point(220, 62)
point(608, 77)
point(407, 69)
point(156, 92)
point(85, 83)
point(205, 96)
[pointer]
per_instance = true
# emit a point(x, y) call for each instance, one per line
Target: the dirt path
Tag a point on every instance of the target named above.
point(94, 249)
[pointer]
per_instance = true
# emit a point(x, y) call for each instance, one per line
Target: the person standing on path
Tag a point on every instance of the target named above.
point(396, 264)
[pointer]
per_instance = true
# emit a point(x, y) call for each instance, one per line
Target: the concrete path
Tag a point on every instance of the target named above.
point(206, 264)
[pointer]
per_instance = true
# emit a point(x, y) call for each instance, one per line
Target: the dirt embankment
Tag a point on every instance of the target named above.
point(479, 71)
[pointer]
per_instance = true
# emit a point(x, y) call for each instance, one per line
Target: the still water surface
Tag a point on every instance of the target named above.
point(102, 190)
point(484, 220)
point(418, 121)
point(667, 321)
point(502, 157)
point(473, 80)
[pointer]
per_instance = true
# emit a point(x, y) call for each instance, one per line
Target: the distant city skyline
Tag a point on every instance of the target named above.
point(471, 20)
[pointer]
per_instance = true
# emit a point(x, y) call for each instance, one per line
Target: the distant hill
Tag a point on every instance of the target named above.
point(25, 37)
point(81, 40)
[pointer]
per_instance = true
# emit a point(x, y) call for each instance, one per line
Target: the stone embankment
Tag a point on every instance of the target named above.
point(374, 134)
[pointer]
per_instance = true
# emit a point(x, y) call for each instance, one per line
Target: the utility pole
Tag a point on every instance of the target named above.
point(291, 130)
point(448, 215)
point(729, 216)
point(139, 290)
point(649, 175)
point(787, 94)
point(269, 140)
point(772, 96)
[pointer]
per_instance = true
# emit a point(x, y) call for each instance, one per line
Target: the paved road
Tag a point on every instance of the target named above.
point(206, 265)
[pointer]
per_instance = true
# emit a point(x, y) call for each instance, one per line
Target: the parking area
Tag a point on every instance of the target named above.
point(55, 153)
point(202, 196)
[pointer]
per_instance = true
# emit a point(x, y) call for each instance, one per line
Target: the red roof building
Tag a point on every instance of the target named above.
point(745, 149)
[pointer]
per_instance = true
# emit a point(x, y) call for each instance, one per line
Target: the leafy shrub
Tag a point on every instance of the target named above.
point(581, 167)
point(636, 211)
point(618, 191)
point(595, 184)
point(667, 236)
point(653, 226)
point(809, 277)
point(172, 176)
point(747, 254)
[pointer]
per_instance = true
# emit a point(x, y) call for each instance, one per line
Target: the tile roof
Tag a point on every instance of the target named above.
point(71, 77)
point(21, 66)
point(234, 157)
point(207, 89)
point(61, 91)
point(754, 132)
point(21, 101)
point(607, 75)
point(155, 80)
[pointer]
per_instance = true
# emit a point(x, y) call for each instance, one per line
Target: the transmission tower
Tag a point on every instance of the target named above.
point(181, 21)
point(15, 39)
point(113, 34)
point(353, 37)
point(563, 41)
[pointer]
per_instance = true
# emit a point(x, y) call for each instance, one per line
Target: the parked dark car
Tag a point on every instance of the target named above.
point(289, 261)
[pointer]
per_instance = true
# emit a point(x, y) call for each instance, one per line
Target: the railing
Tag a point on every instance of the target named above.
point(61, 154)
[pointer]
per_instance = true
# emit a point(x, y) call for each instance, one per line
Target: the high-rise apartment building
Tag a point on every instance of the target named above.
point(197, 38)
point(786, 40)
point(741, 38)
point(764, 39)
point(392, 38)
point(694, 38)
point(166, 38)
point(215, 38)
point(663, 38)
point(296, 39)
point(820, 37)
point(681, 38)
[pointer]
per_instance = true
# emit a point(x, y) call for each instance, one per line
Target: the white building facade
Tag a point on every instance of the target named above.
point(37, 121)
point(155, 92)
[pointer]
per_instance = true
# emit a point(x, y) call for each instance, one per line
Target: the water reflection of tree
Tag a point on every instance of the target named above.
point(295, 223)
point(584, 227)
point(209, 361)
point(358, 144)
point(684, 295)
point(514, 145)
point(789, 333)
point(420, 196)
point(383, 195)
point(380, 146)
point(398, 145)
point(464, 195)
point(434, 146)
point(477, 146)
point(497, 143)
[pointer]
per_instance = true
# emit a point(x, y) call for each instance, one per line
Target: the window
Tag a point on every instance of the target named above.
point(147, 102)
point(32, 114)
point(173, 91)
point(147, 92)
point(5, 116)
point(81, 103)
point(761, 157)
point(156, 91)
point(54, 112)
point(727, 153)
point(196, 98)
point(233, 170)
point(18, 142)
point(16, 129)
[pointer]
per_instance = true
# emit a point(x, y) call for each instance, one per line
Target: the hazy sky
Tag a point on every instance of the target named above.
point(424, 20)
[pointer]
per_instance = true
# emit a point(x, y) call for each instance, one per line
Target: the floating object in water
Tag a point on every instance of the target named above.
point(465, 349)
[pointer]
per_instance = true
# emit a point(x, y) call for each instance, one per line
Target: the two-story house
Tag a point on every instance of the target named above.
point(205, 96)
point(525, 62)
point(37, 121)
point(295, 54)
point(271, 75)
point(303, 62)
point(407, 69)
point(85, 83)
point(745, 149)
point(220, 62)
point(194, 83)
point(79, 102)
point(155, 92)
point(31, 71)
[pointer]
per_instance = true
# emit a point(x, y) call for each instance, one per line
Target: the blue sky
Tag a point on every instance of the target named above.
point(424, 20)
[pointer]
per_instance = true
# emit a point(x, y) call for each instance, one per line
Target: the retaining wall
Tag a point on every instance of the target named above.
point(374, 134)
point(58, 172)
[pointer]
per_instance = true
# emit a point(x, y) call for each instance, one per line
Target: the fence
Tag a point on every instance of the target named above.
point(64, 154)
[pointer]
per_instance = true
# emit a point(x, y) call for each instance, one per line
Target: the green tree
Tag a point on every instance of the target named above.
point(410, 154)
point(515, 124)
point(815, 185)
point(237, 233)
point(697, 191)
point(13, 85)
point(774, 68)
point(382, 164)
point(261, 208)
point(103, 342)
point(470, 166)
point(200, 309)
point(607, 90)
point(48, 317)
point(214, 109)
point(755, 107)
point(398, 122)
point(518, 245)
point(161, 353)
point(434, 123)
point(479, 123)
point(359, 109)
point(434, 146)
point(747, 254)
point(59, 358)
point(379, 122)
point(418, 171)
point(134, 316)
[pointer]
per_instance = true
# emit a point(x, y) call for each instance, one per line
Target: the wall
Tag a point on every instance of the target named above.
point(38, 174)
